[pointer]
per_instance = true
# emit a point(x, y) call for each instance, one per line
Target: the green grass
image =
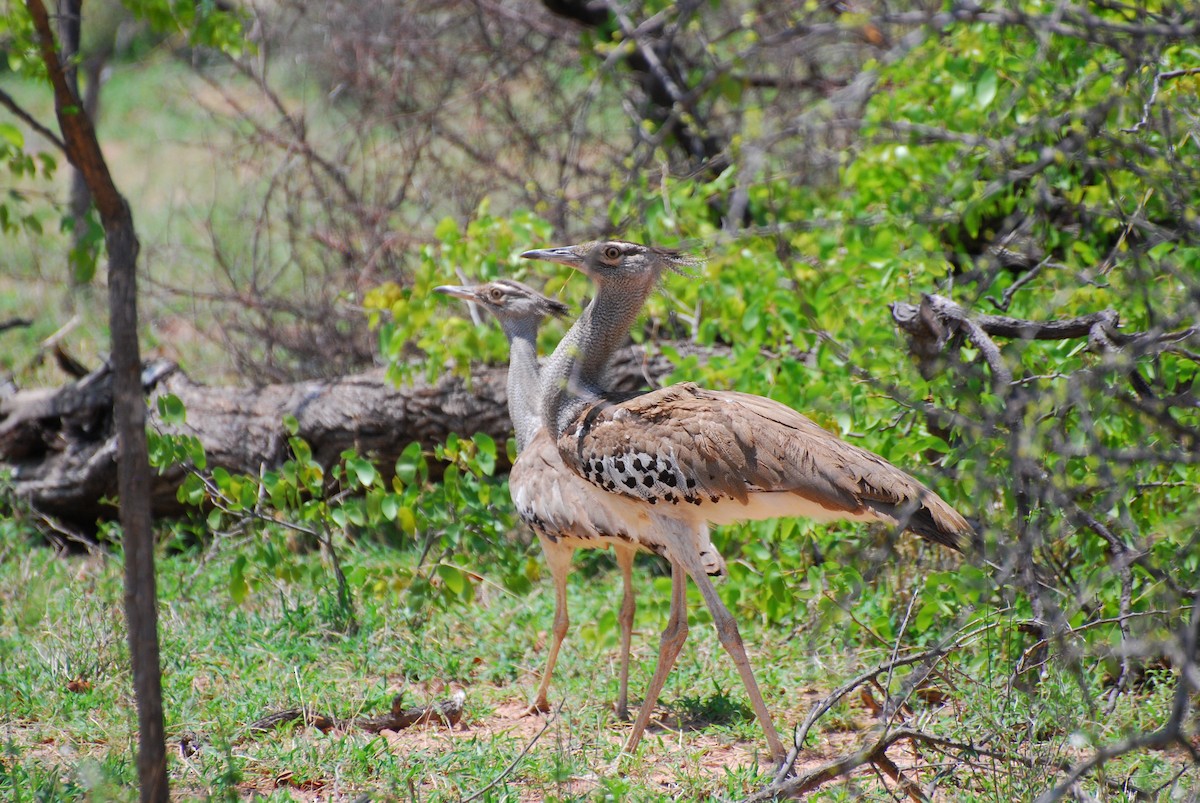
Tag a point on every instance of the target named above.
point(227, 664)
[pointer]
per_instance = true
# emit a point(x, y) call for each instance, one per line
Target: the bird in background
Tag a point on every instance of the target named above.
point(684, 457)
point(554, 502)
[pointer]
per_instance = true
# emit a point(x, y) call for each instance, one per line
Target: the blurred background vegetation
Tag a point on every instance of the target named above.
point(875, 186)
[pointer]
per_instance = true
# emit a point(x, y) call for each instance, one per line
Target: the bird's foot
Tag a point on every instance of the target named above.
point(614, 767)
point(538, 707)
point(621, 710)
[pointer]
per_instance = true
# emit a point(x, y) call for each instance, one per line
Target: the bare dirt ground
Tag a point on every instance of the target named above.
point(672, 749)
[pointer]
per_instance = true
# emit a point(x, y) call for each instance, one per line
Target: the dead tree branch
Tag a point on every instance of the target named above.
point(62, 449)
point(1171, 734)
point(1158, 79)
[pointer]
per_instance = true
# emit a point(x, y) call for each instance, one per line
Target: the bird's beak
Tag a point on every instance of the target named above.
point(465, 293)
point(567, 255)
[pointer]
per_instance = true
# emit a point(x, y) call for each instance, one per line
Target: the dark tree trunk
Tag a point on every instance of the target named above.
point(80, 199)
point(70, 26)
point(129, 410)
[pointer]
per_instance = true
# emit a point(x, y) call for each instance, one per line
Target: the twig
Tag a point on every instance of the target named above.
point(1158, 79)
point(1078, 24)
point(1001, 375)
point(1025, 278)
point(7, 101)
point(15, 323)
point(344, 595)
point(446, 712)
point(885, 764)
point(683, 109)
point(932, 655)
point(57, 527)
point(843, 765)
point(512, 764)
point(1170, 734)
point(875, 753)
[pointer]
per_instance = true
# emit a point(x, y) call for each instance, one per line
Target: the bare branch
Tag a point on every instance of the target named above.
point(1158, 79)
point(1171, 734)
point(18, 111)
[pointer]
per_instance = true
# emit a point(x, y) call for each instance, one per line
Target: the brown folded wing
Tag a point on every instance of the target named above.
point(685, 445)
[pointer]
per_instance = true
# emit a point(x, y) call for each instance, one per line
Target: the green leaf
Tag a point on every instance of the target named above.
point(191, 490)
point(389, 506)
point(406, 519)
point(12, 135)
point(447, 230)
point(985, 89)
point(409, 463)
point(453, 578)
point(195, 452)
point(365, 471)
point(752, 318)
point(171, 409)
point(238, 588)
point(486, 453)
point(249, 494)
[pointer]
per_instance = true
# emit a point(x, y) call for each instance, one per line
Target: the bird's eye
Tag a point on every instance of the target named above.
point(496, 294)
point(612, 253)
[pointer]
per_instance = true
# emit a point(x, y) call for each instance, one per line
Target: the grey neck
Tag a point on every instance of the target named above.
point(523, 385)
point(574, 375)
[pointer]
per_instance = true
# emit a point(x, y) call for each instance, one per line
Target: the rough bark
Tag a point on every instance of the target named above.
point(60, 446)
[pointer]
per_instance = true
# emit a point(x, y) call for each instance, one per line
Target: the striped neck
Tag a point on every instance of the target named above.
point(574, 376)
point(524, 387)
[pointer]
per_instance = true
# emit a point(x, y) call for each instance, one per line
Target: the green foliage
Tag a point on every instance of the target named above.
point(30, 175)
point(205, 24)
point(465, 514)
point(414, 316)
point(84, 255)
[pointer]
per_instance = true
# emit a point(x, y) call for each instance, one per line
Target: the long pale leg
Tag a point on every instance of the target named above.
point(731, 640)
point(558, 558)
point(628, 606)
point(669, 646)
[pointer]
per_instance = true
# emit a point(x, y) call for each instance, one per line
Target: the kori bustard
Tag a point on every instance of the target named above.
point(685, 457)
point(555, 503)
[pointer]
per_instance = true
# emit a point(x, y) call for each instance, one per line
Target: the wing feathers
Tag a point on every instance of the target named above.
point(688, 445)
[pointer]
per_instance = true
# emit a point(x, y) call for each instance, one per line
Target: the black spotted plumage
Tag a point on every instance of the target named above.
point(730, 446)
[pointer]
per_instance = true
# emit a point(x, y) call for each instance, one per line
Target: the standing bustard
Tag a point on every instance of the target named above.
point(554, 502)
point(685, 457)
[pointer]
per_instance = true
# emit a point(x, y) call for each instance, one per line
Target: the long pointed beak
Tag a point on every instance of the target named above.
point(566, 255)
point(465, 293)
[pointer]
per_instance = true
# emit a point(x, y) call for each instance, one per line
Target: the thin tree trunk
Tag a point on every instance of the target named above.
point(70, 26)
point(129, 411)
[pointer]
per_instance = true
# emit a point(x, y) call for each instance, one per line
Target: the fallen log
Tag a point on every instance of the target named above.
point(60, 449)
